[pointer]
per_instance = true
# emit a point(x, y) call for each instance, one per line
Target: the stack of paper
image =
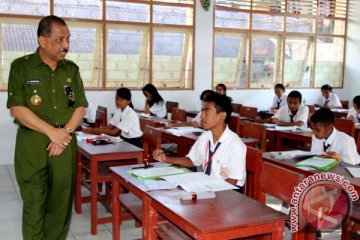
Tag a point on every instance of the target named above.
point(291, 154)
point(145, 115)
point(199, 182)
point(318, 163)
point(154, 173)
point(180, 131)
point(150, 185)
point(355, 172)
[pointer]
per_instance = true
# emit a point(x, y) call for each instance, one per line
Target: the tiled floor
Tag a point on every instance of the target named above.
point(10, 216)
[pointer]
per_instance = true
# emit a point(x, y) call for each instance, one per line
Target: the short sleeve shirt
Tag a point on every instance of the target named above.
point(284, 114)
point(30, 76)
point(282, 101)
point(128, 122)
point(333, 100)
point(354, 115)
point(230, 155)
point(159, 109)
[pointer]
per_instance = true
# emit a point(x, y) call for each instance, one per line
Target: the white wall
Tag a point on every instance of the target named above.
point(203, 75)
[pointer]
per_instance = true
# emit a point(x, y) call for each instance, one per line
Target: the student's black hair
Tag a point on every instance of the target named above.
point(295, 94)
point(222, 86)
point(204, 93)
point(324, 116)
point(44, 28)
point(279, 85)
point(124, 93)
point(356, 101)
point(326, 87)
point(222, 104)
point(155, 96)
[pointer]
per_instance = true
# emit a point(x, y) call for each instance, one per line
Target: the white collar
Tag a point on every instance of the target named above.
point(331, 139)
point(223, 137)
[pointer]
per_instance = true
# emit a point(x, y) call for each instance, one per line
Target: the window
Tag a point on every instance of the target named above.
point(115, 43)
point(299, 43)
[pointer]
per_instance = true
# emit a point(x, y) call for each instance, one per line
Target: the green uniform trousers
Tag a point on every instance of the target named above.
point(46, 186)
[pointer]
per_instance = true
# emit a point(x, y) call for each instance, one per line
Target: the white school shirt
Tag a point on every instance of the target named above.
point(341, 143)
point(284, 114)
point(159, 109)
point(231, 155)
point(282, 100)
point(128, 122)
point(90, 113)
point(356, 116)
point(197, 118)
point(333, 99)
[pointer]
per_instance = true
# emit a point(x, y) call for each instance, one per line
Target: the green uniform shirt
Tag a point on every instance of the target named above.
point(30, 76)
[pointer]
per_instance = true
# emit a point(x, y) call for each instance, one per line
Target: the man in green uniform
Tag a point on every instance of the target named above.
point(46, 97)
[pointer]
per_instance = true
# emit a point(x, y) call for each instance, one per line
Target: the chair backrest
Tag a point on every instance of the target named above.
point(345, 104)
point(257, 131)
point(104, 109)
point(345, 125)
point(268, 185)
point(236, 107)
point(169, 105)
point(178, 115)
point(234, 124)
point(358, 143)
point(253, 167)
point(146, 122)
point(249, 112)
point(151, 141)
point(100, 119)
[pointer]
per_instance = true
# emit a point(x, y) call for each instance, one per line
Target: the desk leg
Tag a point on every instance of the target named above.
point(116, 209)
point(279, 232)
point(149, 219)
point(77, 190)
point(93, 205)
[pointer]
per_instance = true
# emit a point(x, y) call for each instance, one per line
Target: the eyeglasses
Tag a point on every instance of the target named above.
point(71, 97)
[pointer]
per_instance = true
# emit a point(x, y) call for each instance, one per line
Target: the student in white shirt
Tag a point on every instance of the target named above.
point(195, 122)
point(328, 99)
point(219, 150)
point(125, 121)
point(280, 97)
point(90, 114)
point(329, 141)
point(221, 89)
point(354, 113)
point(154, 103)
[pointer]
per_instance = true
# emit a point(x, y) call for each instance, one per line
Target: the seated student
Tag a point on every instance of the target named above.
point(279, 98)
point(221, 89)
point(219, 150)
point(195, 122)
point(328, 99)
point(125, 122)
point(354, 113)
point(90, 114)
point(154, 103)
point(292, 114)
point(329, 141)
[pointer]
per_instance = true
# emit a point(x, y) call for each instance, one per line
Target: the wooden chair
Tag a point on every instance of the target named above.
point(146, 122)
point(249, 112)
point(100, 119)
point(236, 107)
point(178, 115)
point(151, 141)
point(345, 125)
point(234, 124)
point(255, 130)
point(358, 143)
point(169, 105)
point(104, 109)
point(345, 104)
point(253, 166)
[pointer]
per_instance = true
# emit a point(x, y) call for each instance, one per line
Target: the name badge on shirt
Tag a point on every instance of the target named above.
point(33, 81)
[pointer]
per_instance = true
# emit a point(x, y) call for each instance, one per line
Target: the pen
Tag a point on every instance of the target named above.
point(146, 165)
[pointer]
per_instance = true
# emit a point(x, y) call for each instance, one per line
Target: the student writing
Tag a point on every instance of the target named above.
point(154, 103)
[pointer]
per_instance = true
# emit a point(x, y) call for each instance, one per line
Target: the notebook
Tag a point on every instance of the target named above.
point(318, 163)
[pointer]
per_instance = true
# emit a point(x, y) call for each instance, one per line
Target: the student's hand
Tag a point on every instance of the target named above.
point(274, 110)
point(333, 155)
point(159, 155)
point(169, 125)
point(258, 119)
point(87, 130)
point(195, 124)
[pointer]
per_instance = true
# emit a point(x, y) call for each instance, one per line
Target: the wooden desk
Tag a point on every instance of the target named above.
point(340, 113)
point(159, 122)
point(299, 136)
point(227, 218)
point(95, 154)
point(265, 115)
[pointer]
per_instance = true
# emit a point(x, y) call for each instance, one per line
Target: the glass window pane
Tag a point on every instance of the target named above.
point(230, 59)
point(176, 1)
point(127, 56)
point(230, 19)
point(173, 15)
point(172, 57)
point(301, 25)
point(29, 7)
point(329, 61)
point(90, 9)
point(267, 22)
point(85, 45)
point(264, 61)
point(331, 26)
point(299, 56)
point(19, 39)
point(123, 11)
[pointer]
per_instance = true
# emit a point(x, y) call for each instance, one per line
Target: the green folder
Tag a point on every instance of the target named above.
point(318, 163)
